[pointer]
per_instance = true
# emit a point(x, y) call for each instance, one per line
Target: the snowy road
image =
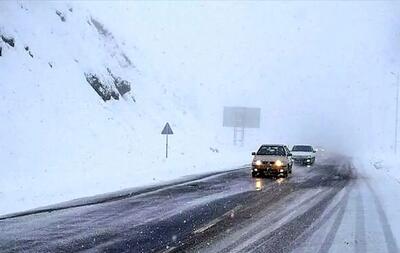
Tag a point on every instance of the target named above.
point(325, 207)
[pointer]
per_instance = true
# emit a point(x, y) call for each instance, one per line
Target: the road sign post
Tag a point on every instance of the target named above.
point(166, 131)
point(166, 147)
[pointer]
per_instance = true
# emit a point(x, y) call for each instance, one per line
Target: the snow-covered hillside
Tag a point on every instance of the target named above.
point(60, 139)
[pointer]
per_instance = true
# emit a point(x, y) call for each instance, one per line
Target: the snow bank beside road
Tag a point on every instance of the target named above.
point(388, 164)
point(382, 177)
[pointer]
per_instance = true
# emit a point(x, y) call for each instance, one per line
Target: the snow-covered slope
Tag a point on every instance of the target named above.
point(59, 139)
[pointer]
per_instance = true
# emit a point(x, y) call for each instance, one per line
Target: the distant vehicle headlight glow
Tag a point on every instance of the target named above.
point(258, 163)
point(278, 163)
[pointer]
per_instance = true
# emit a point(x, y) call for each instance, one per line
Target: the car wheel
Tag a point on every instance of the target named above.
point(253, 174)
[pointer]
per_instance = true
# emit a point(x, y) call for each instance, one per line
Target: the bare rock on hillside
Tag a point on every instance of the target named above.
point(103, 90)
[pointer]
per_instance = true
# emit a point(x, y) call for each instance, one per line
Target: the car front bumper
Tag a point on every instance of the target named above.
point(304, 160)
point(269, 170)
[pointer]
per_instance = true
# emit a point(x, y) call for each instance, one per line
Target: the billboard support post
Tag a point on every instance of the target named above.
point(234, 136)
point(241, 118)
point(238, 136)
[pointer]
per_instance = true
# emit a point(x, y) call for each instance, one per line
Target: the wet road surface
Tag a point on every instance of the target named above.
point(227, 212)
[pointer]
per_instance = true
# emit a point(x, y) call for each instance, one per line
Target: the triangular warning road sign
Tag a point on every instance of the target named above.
point(167, 129)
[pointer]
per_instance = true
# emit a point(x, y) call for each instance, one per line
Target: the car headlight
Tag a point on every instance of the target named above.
point(258, 163)
point(278, 163)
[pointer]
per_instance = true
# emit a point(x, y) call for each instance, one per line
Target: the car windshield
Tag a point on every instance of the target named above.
point(271, 150)
point(303, 148)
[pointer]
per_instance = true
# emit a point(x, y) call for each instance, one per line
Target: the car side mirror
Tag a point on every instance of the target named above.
point(290, 154)
point(253, 153)
point(314, 151)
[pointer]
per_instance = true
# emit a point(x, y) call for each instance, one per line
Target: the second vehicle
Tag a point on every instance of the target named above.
point(303, 154)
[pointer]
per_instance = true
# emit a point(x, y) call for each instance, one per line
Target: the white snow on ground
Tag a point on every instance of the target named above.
point(383, 173)
point(387, 164)
point(60, 140)
point(384, 186)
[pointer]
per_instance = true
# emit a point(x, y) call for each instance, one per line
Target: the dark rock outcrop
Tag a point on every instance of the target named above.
point(215, 150)
point(103, 90)
point(29, 51)
point(122, 86)
point(9, 40)
point(61, 15)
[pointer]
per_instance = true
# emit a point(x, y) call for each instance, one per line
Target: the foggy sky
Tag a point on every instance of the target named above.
point(320, 71)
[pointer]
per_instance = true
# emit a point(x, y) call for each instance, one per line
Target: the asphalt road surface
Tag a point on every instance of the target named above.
point(316, 209)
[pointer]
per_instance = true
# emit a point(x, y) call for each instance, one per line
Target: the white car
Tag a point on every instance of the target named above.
point(304, 154)
point(272, 161)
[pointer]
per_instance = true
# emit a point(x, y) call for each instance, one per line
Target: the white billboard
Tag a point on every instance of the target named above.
point(241, 117)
